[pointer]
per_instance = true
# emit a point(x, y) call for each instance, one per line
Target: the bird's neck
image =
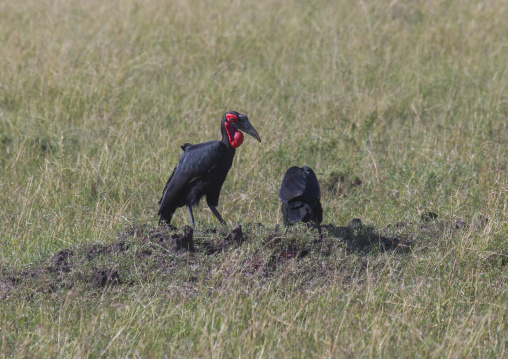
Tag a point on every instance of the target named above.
point(231, 136)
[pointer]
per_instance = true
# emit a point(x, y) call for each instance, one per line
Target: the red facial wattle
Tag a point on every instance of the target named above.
point(231, 118)
point(235, 136)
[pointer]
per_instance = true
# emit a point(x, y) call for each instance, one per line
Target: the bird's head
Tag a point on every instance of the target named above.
point(234, 122)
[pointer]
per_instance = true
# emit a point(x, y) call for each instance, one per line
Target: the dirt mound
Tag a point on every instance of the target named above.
point(176, 242)
point(60, 261)
point(105, 277)
point(189, 257)
point(96, 249)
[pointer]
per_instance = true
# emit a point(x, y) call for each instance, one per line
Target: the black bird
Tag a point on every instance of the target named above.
point(300, 196)
point(203, 168)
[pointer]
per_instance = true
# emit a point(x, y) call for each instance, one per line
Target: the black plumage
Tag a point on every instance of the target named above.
point(203, 168)
point(300, 195)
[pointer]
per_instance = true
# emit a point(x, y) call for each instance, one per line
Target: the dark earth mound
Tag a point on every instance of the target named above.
point(144, 254)
point(104, 277)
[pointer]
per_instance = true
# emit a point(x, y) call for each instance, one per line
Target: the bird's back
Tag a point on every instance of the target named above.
point(300, 196)
point(299, 183)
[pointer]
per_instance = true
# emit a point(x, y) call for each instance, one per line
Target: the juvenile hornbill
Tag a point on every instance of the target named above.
point(300, 196)
point(203, 168)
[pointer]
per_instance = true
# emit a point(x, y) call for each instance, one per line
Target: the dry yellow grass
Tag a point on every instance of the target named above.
point(411, 97)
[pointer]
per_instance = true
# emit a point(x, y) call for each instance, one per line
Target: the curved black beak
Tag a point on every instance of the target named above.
point(244, 125)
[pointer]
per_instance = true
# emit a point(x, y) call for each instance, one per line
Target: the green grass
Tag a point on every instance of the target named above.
point(410, 97)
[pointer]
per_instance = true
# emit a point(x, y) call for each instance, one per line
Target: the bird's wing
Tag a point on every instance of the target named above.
point(293, 184)
point(196, 161)
point(312, 190)
point(298, 182)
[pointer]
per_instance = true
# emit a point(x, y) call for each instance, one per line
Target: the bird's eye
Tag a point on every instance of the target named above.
point(231, 118)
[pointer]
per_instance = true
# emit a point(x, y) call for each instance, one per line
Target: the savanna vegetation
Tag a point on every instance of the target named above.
point(400, 107)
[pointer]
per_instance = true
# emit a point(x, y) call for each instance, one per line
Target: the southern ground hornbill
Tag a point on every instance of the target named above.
point(203, 168)
point(300, 196)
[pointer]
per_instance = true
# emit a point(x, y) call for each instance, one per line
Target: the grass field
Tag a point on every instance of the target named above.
point(400, 107)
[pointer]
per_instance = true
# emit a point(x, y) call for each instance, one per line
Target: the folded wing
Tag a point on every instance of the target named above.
point(196, 161)
point(299, 183)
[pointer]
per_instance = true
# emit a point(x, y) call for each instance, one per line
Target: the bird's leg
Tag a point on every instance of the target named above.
point(319, 231)
point(217, 214)
point(191, 216)
point(286, 226)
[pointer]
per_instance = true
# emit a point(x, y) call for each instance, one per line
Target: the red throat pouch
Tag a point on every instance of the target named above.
point(235, 136)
